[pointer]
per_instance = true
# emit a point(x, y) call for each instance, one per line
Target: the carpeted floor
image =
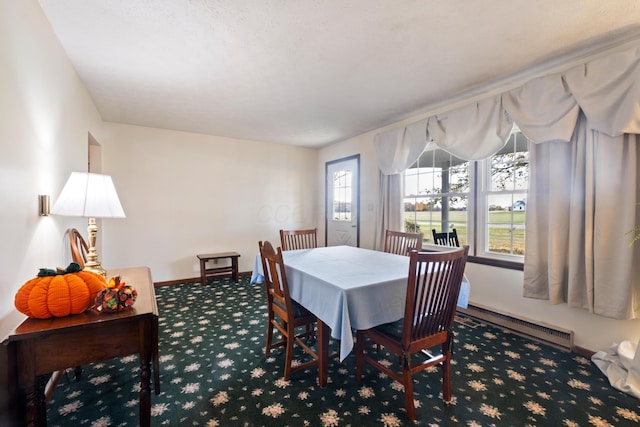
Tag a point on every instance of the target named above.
point(214, 373)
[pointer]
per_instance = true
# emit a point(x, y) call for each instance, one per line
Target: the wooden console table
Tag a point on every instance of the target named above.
point(38, 347)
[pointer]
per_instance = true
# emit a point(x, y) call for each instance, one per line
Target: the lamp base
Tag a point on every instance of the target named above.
point(96, 269)
point(92, 263)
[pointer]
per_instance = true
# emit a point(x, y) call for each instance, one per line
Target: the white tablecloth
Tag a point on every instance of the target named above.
point(348, 287)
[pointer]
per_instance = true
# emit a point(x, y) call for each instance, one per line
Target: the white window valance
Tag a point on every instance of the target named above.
point(545, 109)
point(399, 148)
point(473, 132)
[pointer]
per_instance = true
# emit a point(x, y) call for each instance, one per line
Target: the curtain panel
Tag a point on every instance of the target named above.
point(583, 125)
point(583, 184)
point(396, 151)
point(582, 202)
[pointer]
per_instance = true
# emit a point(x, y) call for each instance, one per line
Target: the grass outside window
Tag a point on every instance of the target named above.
point(502, 235)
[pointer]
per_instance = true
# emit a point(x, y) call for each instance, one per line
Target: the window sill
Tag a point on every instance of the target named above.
point(511, 265)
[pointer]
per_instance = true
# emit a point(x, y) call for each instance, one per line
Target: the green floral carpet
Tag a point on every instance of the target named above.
point(214, 373)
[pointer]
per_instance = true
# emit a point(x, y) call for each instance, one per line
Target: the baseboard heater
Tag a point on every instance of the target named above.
point(548, 334)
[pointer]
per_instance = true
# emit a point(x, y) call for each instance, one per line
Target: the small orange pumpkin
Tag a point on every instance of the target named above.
point(59, 294)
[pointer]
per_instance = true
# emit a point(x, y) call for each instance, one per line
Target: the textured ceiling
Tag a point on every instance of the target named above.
point(313, 72)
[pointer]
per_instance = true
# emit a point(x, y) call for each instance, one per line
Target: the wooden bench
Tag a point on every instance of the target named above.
point(218, 271)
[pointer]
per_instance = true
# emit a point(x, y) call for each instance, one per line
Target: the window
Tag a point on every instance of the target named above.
point(502, 203)
point(342, 195)
point(484, 201)
point(436, 195)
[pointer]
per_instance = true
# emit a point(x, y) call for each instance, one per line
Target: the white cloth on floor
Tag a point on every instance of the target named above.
point(621, 364)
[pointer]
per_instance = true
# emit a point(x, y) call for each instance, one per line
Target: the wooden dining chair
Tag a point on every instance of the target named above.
point(433, 286)
point(284, 314)
point(400, 243)
point(299, 239)
point(79, 247)
point(446, 238)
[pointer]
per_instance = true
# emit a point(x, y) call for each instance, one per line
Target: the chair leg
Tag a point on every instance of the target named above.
point(359, 354)
point(408, 393)
point(446, 378)
point(267, 349)
point(289, 352)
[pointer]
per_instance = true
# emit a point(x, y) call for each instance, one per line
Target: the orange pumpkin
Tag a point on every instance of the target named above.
point(54, 294)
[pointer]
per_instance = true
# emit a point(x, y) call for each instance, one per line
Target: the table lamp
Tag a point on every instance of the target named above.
point(89, 195)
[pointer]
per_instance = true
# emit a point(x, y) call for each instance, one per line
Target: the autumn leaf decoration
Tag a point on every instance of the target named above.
point(117, 296)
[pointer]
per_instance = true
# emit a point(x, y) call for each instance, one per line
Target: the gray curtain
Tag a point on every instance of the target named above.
point(582, 202)
point(390, 202)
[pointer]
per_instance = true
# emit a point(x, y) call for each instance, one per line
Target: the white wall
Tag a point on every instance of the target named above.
point(497, 288)
point(186, 194)
point(45, 116)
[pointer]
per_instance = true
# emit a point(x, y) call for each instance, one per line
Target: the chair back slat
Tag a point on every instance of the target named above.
point(299, 239)
point(400, 243)
point(432, 292)
point(446, 238)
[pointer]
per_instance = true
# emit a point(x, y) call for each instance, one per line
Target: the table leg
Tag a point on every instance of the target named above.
point(323, 352)
point(35, 405)
point(203, 274)
point(148, 352)
point(156, 357)
point(234, 267)
point(145, 393)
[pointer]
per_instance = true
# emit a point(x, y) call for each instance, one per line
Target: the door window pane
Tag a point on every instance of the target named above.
point(342, 195)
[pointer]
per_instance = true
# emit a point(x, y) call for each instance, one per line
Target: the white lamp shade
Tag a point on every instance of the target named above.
point(89, 195)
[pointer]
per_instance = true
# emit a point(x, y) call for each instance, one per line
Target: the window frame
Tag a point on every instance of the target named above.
point(478, 202)
point(419, 198)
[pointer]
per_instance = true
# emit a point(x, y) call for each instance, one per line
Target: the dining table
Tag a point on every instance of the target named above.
point(347, 288)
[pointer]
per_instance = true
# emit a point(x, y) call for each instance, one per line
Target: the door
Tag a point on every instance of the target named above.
point(342, 203)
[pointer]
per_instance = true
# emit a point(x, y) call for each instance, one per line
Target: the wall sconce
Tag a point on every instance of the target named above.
point(44, 205)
